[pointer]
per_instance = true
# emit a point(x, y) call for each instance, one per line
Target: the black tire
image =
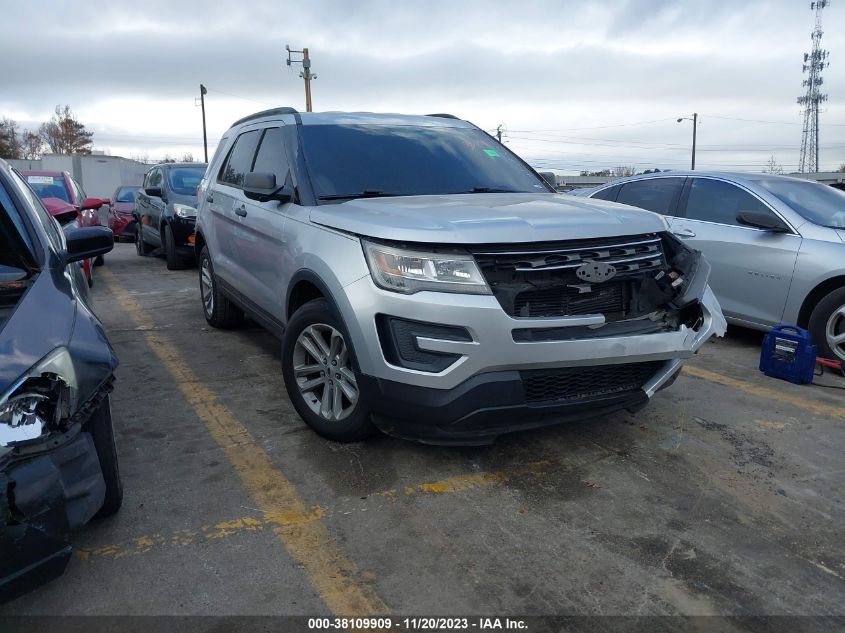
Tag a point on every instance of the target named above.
point(100, 427)
point(141, 247)
point(174, 262)
point(822, 313)
point(222, 313)
point(99, 260)
point(358, 424)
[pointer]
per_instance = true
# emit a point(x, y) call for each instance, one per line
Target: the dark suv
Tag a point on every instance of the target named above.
point(166, 211)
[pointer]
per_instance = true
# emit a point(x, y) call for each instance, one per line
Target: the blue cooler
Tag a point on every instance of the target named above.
point(788, 353)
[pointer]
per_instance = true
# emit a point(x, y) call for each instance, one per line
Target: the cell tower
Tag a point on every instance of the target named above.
point(814, 63)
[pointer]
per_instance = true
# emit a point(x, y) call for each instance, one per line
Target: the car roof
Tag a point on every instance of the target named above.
point(168, 165)
point(736, 176)
point(357, 118)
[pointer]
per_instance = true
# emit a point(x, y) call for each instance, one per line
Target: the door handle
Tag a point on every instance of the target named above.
point(241, 211)
point(683, 233)
point(209, 197)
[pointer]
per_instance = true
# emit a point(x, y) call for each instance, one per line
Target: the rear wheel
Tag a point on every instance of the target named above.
point(99, 260)
point(174, 262)
point(102, 431)
point(218, 310)
point(827, 325)
point(141, 247)
point(320, 372)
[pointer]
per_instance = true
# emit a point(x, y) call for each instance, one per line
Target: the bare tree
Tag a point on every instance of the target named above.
point(32, 145)
point(63, 134)
point(841, 168)
point(187, 157)
point(773, 167)
point(623, 171)
point(10, 140)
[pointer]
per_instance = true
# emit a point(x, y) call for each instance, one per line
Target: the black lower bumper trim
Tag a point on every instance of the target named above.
point(479, 409)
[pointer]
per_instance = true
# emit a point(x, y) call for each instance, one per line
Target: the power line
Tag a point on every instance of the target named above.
point(229, 94)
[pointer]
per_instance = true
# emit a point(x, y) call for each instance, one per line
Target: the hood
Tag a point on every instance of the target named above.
point(123, 207)
point(181, 198)
point(486, 218)
point(57, 206)
point(41, 321)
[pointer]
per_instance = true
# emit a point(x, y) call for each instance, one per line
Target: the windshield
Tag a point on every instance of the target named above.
point(350, 161)
point(185, 180)
point(126, 194)
point(820, 204)
point(49, 187)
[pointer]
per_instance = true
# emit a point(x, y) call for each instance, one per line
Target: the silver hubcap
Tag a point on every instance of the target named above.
point(323, 373)
point(835, 332)
point(206, 288)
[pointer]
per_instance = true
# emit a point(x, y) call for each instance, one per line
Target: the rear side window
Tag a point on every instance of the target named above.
point(720, 202)
point(608, 194)
point(239, 162)
point(654, 194)
point(271, 158)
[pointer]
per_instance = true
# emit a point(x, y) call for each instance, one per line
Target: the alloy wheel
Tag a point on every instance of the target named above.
point(835, 332)
point(207, 287)
point(324, 376)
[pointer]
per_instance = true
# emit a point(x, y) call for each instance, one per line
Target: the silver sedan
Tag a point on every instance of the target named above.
point(775, 244)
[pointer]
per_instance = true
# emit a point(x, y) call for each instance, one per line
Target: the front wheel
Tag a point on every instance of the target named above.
point(827, 325)
point(320, 372)
point(141, 247)
point(218, 310)
point(173, 260)
point(99, 425)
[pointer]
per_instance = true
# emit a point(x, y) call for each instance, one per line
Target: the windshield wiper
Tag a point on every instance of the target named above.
point(367, 193)
point(490, 190)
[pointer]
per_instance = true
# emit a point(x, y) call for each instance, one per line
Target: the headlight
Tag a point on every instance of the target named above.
point(184, 211)
point(407, 271)
point(39, 402)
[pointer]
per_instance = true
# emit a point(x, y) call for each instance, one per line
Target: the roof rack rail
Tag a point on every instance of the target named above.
point(263, 113)
point(443, 115)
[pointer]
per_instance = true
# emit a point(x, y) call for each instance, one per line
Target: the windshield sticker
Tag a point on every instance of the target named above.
point(491, 152)
point(40, 180)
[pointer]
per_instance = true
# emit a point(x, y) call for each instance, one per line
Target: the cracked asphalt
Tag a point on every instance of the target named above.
point(723, 497)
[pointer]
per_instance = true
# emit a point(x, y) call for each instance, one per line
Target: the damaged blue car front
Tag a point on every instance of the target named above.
point(58, 464)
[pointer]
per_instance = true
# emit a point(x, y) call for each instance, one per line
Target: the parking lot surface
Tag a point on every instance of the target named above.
point(724, 496)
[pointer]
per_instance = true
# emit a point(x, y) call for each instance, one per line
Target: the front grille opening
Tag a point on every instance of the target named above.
point(540, 280)
point(575, 383)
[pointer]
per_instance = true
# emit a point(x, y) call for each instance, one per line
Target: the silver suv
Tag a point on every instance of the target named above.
point(426, 281)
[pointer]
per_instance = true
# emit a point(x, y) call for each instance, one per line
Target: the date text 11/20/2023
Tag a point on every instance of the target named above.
point(417, 624)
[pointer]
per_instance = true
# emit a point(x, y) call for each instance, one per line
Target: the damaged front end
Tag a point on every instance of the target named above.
point(642, 284)
point(51, 482)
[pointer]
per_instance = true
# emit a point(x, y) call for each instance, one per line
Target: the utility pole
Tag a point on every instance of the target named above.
point(814, 63)
point(694, 120)
point(306, 73)
point(203, 92)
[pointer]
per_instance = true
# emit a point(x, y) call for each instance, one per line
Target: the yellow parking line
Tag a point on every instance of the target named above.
point(242, 525)
point(807, 403)
point(329, 570)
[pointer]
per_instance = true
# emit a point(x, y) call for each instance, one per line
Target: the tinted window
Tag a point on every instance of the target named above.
point(271, 157)
point(817, 202)
point(240, 159)
point(154, 179)
point(49, 187)
point(126, 194)
point(345, 160)
point(608, 194)
point(654, 194)
point(78, 191)
point(185, 180)
point(48, 222)
point(719, 201)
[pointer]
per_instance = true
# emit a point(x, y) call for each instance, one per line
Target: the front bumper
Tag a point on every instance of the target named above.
point(184, 233)
point(42, 500)
point(493, 347)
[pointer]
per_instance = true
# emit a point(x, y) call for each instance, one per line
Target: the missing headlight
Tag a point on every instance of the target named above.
point(38, 407)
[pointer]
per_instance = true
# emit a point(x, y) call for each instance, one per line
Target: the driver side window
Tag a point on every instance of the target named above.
point(720, 202)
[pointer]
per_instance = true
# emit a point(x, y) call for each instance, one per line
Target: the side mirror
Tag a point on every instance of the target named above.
point(87, 242)
point(762, 220)
point(153, 192)
point(262, 187)
point(91, 203)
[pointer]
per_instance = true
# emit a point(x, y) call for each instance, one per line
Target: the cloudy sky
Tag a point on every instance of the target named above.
point(576, 85)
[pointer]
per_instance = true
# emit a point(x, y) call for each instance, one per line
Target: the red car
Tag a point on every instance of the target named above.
point(66, 201)
point(121, 219)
